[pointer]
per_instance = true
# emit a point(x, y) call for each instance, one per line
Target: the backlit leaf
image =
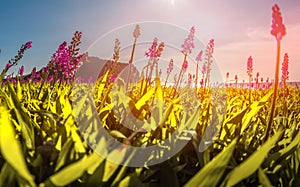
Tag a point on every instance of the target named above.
point(249, 166)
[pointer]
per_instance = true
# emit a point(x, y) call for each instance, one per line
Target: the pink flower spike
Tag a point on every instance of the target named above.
point(188, 44)
point(199, 56)
point(28, 44)
point(285, 69)
point(185, 65)
point(113, 78)
point(8, 65)
point(204, 69)
point(249, 66)
point(21, 71)
point(159, 49)
point(152, 50)
point(170, 67)
point(278, 28)
point(202, 82)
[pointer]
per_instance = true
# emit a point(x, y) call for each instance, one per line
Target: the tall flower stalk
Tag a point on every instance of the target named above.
point(236, 80)
point(157, 53)
point(198, 59)
point(14, 61)
point(184, 69)
point(187, 47)
point(151, 53)
point(226, 79)
point(278, 30)
point(136, 34)
point(249, 72)
point(65, 61)
point(208, 61)
point(63, 64)
point(285, 70)
point(116, 56)
point(203, 71)
point(169, 70)
point(116, 50)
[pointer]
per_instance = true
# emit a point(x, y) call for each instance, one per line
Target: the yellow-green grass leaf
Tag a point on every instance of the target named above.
point(191, 122)
point(236, 119)
point(159, 93)
point(123, 170)
point(263, 178)
point(11, 148)
point(19, 91)
point(79, 145)
point(278, 157)
point(131, 180)
point(101, 85)
point(7, 175)
point(65, 102)
point(23, 119)
point(158, 102)
point(91, 170)
point(141, 84)
point(254, 109)
point(141, 102)
point(63, 154)
point(117, 134)
point(117, 155)
point(253, 163)
point(73, 171)
point(212, 172)
point(79, 105)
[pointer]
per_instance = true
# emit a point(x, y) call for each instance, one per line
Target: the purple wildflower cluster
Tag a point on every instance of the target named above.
point(188, 44)
point(155, 51)
point(185, 66)
point(278, 28)
point(250, 66)
point(199, 56)
point(170, 66)
point(285, 69)
point(61, 68)
point(14, 62)
point(65, 60)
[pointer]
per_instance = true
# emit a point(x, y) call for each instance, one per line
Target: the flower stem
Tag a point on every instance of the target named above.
point(130, 63)
point(177, 85)
point(250, 89)
point(196, 81)
point(275, 91)
point(166, 80)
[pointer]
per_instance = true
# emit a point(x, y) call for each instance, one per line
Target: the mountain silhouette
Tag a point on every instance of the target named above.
point(94, 67)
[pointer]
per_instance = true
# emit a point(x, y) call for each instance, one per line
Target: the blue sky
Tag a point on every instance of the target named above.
point(240, 28)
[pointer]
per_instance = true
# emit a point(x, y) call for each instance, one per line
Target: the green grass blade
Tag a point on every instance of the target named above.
point(11, 148)
point(253, 163)
point(211, 174)
point(73, 171)
point(263, 178)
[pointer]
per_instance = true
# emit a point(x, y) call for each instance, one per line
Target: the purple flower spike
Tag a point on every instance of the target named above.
point(28, 44)
point(21, 71)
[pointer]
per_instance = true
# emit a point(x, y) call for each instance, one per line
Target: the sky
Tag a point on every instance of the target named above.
point(239, 28)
